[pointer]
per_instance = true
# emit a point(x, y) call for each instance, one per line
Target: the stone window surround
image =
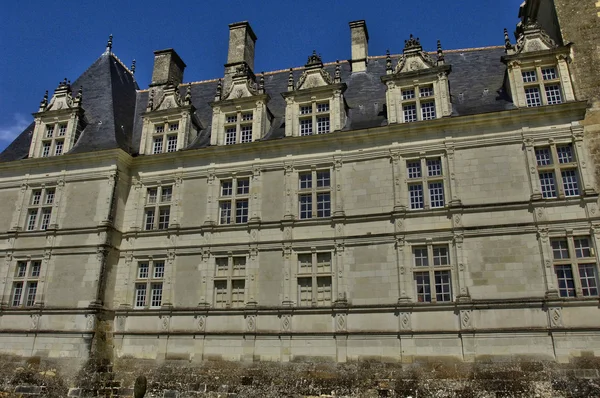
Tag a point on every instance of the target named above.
point(296, 274)
point(59, 132)
point(451, 267)
point(446, 171)
point(26, 280)
point(233, 198)
point(530, 144)
point(257, 105)
point(132, 276)
point(143, 187)
point(41, 207)
point(68, 118)
point(314, 190)
point(165, 135)
point(314, 115)
point(150, 282)
point(230, 277)
point(161, 119)
point(573, 261)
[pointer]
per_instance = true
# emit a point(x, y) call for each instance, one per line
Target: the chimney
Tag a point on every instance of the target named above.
point(168, 68)
point(241, 45)
point(360, 45)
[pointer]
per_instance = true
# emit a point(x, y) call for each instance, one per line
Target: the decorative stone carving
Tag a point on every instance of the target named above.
point(466, 319)
point(405, 321)
point(340, 322)
point(201, 323)
point(286, 322)
point(555, 316)
point(251, 323)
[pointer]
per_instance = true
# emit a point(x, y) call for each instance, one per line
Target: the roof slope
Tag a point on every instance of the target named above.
point(113, 107)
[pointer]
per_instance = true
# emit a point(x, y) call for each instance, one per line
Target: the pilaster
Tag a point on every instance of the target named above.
point(211, 198)
point(546, 254)
point(531, 163)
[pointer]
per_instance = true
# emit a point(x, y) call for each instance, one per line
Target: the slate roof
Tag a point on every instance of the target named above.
point(113, 103)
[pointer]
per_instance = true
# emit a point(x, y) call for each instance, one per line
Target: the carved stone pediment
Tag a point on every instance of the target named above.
point(314, 74)
point(168, 98)
point(530, 38)
point(62, 98)
point(413, 57)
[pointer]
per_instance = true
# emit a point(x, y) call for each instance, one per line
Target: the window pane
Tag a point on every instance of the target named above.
point(440, 255)
point(323, 107)
point(589, 281)
point(172, 143)
point(323, 179)
point(416, 196)
point(414, 168)
point(553, 95)
point(305, 291)
point(582, 247)
point(225, 212)
point(241, 211)
point(230, 136)
point(243, 186)
point(237, 293)
point(35, 269)
point(31, 219)
point(62, 130)
point(31, 292)
point(434, 167)
point(408, 94)
point(532, 95)
point(149, 219)
point(246, 133)
point(49, 197)
point(36, 196)
point(46, 149)
point(443, 286)
point(17, 294)
point(570, 185)
point(159, 129)
point(305, 204)
point(156, 298)
point(305, 109)
point(323, 262)
point(560, 250)
point(163, 218)
point(566, 284)
point(420, 256)
point(166, 194)
point(21, 269)
point(46, 214)
point(140, 295)
point(305, 180)
point(323, 204)
point(529, 76)
point(174, 126)
point(231, 118)
point(428, 110)
point(547, 184)
point(143, 270)
point(323, 125)
point(426, 91)
point(222, 264)
point(226, 188)
point(436, 194)
point(49, 130)
point(159, 269)
point(549, 74)
point(158, 145)
point(304, 263)
point(58, 148)
point(423, 287)
point(220, 294)
point(152, 195)
point(239, 266)
point(543, 156)
point(324, 291)
point(409, 113)
point(565, 154)
point(247, 116)
point(305, 126)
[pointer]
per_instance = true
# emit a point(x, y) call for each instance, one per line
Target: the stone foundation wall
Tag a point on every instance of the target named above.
point(514, 377)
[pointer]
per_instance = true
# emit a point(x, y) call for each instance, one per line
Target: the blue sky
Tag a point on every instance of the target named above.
point(46, 41)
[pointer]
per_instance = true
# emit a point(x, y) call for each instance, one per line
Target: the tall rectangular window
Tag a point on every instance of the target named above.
point(432, 273)
point(557, 171)
point(314, 279)
point(149, 284)
point(39, 211)
point(157, 212)
point(25, 283)
point(425, 189)
point(230, 282)
point(417, 103)
point(575, 266)
point(542, 91)
point(314, 117)
point(234, 195)
point(165, 137)
point(238, 127)
point(314, 194)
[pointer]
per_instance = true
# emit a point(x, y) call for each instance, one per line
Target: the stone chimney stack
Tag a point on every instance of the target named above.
point(241, 45)
point(168, 68)
point(360, 45)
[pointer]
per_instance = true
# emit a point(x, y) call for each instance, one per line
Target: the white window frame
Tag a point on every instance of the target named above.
point(234, 193)
point(430, 178)
point(568, 254)
point(550, 162)
point(163, 132)
point(151, 282)
point(424, 258)
point(26, 283)
point(535, 78)
point(317, 194)
point(53, 139)
point(238, 123)
point(314, 277)
point(230, 275)
point(157, 209)
point(39, 209)
point(316, 114)
point(416, 97)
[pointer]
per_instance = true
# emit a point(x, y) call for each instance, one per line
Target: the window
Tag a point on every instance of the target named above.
point(432, 273)
point(238, 127)
point(149, 284)
point(165, 136)
point(544, 91)
point(418, 103)
point(25, 284)
point(39, 211)
point(575, 266)
point(315, 117)
point(230, 283)
point(425, 189)
point(234, 201)
point(314, 279)
point(53, 142)
point(314, 194)
point(557, 170)
point(157, 212)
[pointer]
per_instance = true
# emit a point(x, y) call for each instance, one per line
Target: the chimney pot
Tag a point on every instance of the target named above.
point(168, 68)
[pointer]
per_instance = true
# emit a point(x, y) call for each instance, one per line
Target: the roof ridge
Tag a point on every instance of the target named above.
point(122, 64)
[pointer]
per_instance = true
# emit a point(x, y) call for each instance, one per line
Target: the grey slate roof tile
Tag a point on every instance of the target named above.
point(114, 105)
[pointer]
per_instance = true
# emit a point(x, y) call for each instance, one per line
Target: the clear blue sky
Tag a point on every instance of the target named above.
point(46, 41)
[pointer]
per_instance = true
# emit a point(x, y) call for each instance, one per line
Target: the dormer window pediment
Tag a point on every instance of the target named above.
point(169, 123)
point(537, 68)
point(417, 88)
point(240, 112)
point(58, 122)
point(315, 104)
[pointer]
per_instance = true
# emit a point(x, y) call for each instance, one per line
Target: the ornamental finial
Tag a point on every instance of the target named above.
point(188, 94)
point(507, 44)
point(109, 44)
point(219, 90)
point(261, 83)
point(44, 102)
point(133, 67)
point(291, 80)
point(79, 93)
point(150, 101)
point(440, 53)
point(338, 72)
point(388, 62)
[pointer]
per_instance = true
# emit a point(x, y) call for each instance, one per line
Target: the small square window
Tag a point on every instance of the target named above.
point(226, 188)
point(174, 126)
point(532, 95)
point(428, 110)
point(143, 270)
point(426, 91)
point(323, 107)
point(414, 168)
point(408, 94)
point(247, 117)
point(410, 113)
point(243, 186)
point(231, 118)
point(560, 250)
point(420, 256)
point(305, 180)
point(323, 179)
point(549, 74)
point(529, 76)
point(434, 167)
point(159, 128)
point(305, 109)
point(543, 156)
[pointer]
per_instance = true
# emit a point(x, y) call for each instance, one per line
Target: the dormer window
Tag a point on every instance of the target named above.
point(538, 73)
point(164, 138)
point(53, 142)
point(315, 105)
point(238, 127)
point(417, 89)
